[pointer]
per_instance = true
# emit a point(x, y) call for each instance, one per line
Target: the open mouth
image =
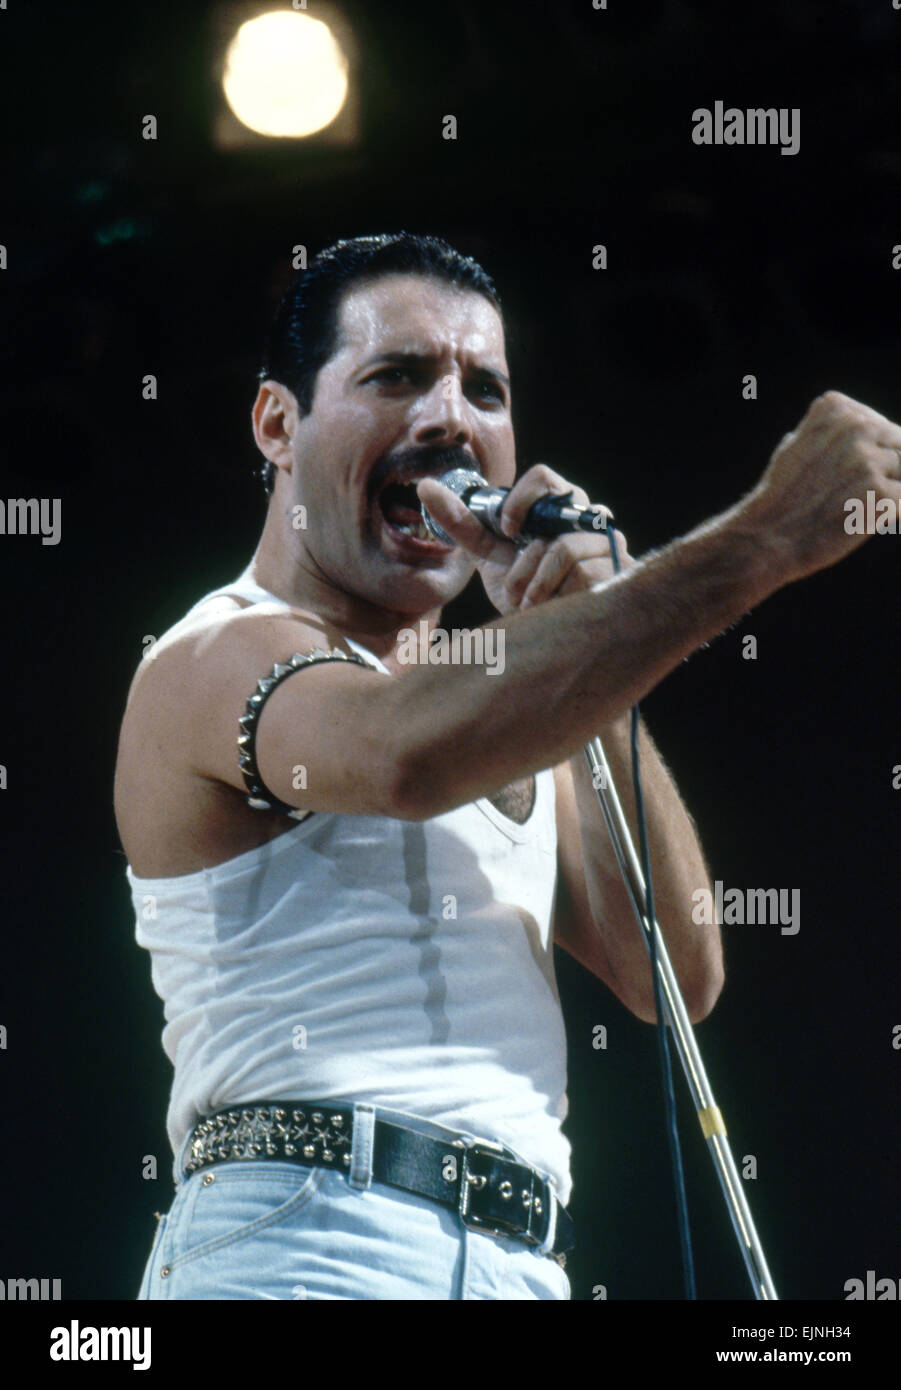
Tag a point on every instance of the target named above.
point(402, 511)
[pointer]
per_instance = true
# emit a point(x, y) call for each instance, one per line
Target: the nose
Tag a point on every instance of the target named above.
point(442, 415)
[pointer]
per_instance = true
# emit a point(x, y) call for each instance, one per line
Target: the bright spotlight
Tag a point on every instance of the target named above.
point(285, 74)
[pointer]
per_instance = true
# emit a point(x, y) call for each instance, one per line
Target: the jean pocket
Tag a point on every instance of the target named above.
point(152, 1260)
point(233, 1203)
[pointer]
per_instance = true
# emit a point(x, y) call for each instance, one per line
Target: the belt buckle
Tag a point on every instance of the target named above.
point(499, 1196)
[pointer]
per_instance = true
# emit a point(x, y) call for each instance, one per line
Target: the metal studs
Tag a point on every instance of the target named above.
point(273, 1132)
point(208, 1178)
point(258, 797)
point(537, 1205)
point(165, 1272)
point(506, 1190)
point(526, 1197)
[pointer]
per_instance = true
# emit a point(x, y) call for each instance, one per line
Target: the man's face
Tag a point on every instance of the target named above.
point(417, 386)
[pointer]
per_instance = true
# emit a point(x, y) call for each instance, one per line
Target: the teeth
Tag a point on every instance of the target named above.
point(404, 482)
point(419, 531)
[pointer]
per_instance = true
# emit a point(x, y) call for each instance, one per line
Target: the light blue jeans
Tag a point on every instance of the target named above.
point(274, 1230)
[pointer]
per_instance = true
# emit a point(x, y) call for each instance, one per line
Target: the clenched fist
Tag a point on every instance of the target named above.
point(840, 450)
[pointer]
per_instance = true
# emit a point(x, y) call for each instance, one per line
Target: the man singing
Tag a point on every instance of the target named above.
point(350, 867)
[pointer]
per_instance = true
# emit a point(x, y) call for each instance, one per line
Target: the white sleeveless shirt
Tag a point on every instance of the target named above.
point(404, 963)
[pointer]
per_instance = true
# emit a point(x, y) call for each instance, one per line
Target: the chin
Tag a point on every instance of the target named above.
point(419, 595)
point(420, 591)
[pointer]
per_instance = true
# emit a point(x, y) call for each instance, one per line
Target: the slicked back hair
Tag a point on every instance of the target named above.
point(304, 331)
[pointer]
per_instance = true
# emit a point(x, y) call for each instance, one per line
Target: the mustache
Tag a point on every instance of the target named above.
point(415, 462)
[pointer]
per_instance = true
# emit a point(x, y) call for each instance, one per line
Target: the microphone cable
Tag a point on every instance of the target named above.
point(666, 1070)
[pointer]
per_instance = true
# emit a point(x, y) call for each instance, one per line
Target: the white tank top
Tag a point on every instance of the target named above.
point(404, 963)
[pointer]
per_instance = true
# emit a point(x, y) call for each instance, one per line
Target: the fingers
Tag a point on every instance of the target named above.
point(523, 570)
point(537, 482)
point(892, 467)
point(564, 565)
point(871, 440)
point(445, 508)
point(835, 408)
point(557, 565)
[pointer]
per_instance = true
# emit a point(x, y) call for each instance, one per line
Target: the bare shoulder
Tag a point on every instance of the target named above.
point(178, 792)
point(210, 648)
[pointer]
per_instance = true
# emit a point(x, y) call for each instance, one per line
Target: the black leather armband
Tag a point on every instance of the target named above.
point(259, 797)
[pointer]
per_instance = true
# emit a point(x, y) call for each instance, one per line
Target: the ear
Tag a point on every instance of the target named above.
point(274, 418)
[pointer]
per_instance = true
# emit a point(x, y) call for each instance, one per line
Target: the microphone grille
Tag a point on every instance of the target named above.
point(458, 481)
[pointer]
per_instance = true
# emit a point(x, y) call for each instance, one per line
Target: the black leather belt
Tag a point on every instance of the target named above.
point(492, 1191)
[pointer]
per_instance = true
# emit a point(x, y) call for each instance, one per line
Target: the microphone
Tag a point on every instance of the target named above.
point(553, 515)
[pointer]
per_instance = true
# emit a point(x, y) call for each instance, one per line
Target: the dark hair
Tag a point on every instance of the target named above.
point(304, 332)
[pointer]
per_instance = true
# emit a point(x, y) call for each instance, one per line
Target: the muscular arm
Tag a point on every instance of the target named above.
point(571, 665)
point(437, 737)
point(580, 660)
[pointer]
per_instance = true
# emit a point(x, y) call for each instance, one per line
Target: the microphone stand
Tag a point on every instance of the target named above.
point(711, 1120)
point(550, 516)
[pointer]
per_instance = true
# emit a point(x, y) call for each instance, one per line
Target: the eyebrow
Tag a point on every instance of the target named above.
point(422, 359)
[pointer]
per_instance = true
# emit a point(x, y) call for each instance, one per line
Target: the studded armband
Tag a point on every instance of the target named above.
point(259, 797)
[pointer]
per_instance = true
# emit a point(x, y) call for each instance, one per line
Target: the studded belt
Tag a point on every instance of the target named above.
point(490, 1189)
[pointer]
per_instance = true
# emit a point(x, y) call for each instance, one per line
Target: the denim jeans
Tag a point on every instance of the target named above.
point(271, 1229)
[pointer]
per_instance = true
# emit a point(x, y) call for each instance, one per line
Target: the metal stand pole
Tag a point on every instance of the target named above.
point(712, 1125)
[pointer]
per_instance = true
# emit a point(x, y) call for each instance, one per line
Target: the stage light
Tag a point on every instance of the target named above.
point(285, 75)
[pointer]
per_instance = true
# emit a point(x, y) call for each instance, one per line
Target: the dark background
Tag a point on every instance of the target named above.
point(129, 257)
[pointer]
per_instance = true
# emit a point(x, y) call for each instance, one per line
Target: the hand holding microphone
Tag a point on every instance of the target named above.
point(551, 514)
point(533, 541)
